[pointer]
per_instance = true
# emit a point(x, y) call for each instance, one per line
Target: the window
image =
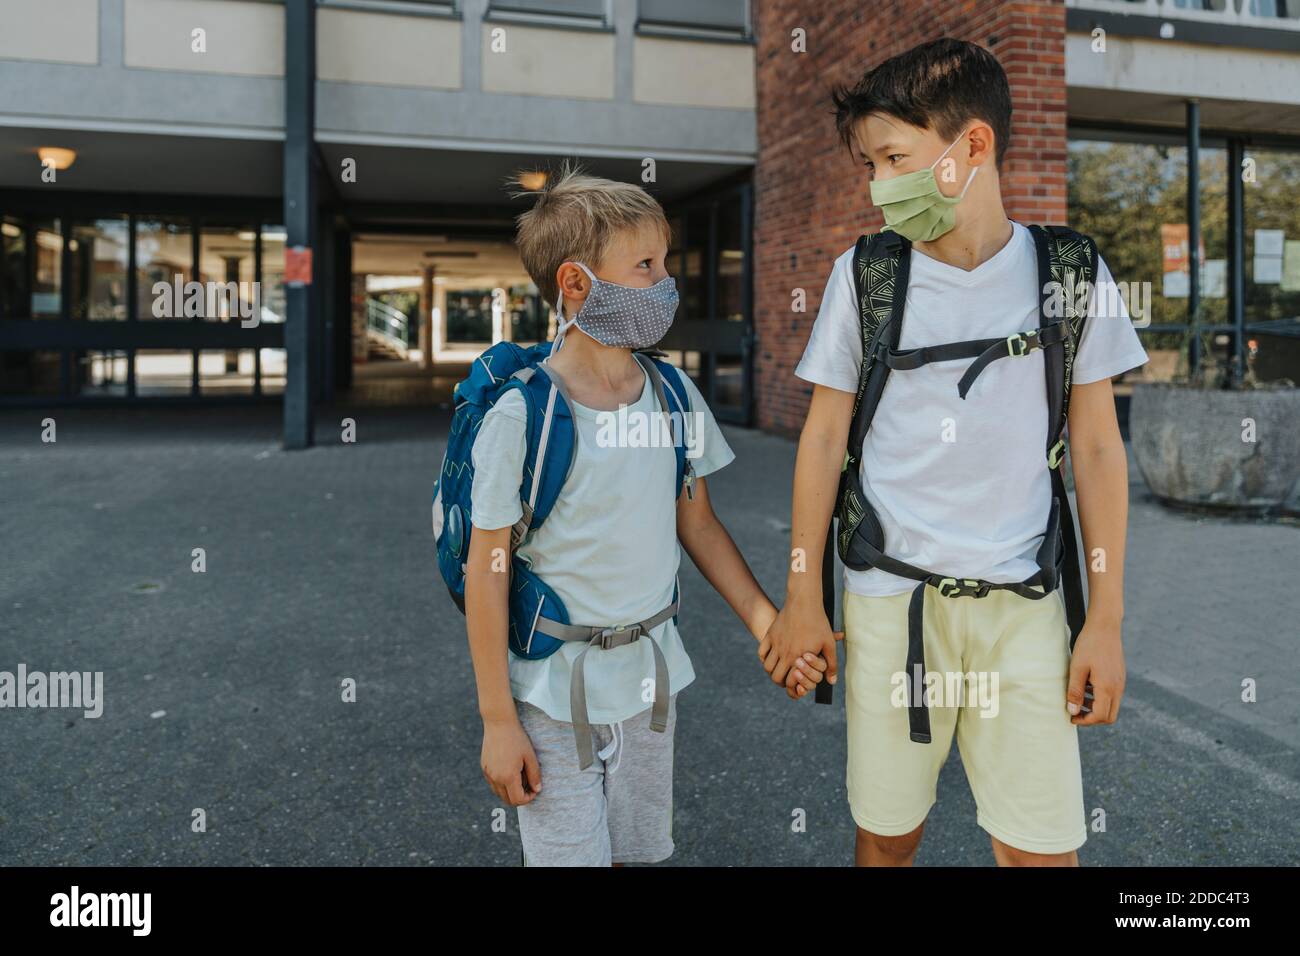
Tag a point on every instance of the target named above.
point(1272, 250)
point(443, 7)
point(721, 17)
point(272, 278)
point(97, 283)
point(163, 254)
point(13, 269)
point(164, 373)
point(731, 263)
point(1122, 194)
point(528, 314)
point(101, 373)
point(227, 371)
point(545, 9)
point(228, 260)
point(102, 267)
point(469, 315)
point(695, 274)
point(47, 269)
point(30, 372)
point(691, 362)
point(1274, 8)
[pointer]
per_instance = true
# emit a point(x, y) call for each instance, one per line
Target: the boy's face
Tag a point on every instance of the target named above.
point(635, 257)
point(888, 146)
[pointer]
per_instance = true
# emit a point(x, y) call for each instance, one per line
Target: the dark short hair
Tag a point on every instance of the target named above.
point(940, 85)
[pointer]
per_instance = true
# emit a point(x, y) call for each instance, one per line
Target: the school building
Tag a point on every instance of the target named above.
point(303, 201)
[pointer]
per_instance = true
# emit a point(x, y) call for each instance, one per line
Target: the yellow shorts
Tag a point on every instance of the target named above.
point(1004, 660)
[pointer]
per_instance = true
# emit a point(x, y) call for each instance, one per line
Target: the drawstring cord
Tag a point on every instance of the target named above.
point(615, 747)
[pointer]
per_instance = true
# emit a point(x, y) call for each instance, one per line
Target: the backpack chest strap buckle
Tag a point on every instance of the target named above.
point(962, 587)
point(610, 637)
point(1022, 343)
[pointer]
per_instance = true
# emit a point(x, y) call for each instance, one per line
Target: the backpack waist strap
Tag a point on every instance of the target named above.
point(1036, 587)
point(606, 638)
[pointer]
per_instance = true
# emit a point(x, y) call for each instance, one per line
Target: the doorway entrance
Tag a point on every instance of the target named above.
point(425, 304)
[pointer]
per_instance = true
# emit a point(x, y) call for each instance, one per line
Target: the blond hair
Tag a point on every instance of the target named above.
point(574, 219)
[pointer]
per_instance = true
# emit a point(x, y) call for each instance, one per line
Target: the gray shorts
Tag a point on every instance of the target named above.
point(618, 810)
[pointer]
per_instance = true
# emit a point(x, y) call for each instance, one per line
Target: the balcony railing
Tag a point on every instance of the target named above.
point(389, 324)
point(1270, 14)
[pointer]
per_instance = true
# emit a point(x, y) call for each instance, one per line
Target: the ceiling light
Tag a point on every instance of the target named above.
point(57, 156)
point(533, 181)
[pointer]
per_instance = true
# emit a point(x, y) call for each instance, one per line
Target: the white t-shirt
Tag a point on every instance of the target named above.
point(961, 487)
point(608, 548)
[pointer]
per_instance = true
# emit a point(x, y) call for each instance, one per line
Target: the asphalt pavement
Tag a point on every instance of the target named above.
point(224, 691)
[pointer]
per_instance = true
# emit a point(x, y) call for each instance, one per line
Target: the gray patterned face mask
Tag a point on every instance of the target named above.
point(622, 316)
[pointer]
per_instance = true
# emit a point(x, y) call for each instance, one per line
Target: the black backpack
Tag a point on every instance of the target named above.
point(1067, 270)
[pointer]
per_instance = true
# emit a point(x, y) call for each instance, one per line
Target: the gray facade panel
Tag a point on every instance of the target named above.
point(475, 118)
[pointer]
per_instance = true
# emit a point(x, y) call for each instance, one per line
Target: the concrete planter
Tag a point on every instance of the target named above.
point(1189, 445)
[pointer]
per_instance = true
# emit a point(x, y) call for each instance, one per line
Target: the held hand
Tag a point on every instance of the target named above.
point(807, 672)
point(509, 762)
point(795, 678)
point(1096, 675)
point(799, 629)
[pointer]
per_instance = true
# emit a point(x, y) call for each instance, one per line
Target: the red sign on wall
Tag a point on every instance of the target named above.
point(297, 265)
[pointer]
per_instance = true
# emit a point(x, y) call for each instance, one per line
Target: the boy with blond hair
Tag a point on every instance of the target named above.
point(581, 740)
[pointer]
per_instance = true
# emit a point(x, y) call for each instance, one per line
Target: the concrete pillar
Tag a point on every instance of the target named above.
point(425, 318)
point(439, 323)
point(299, 218)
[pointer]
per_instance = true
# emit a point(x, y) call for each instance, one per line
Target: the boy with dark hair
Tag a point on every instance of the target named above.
point(928, 359)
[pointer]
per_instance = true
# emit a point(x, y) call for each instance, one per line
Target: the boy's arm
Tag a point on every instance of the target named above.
point(508, 760)
point(801, 627)
point(714, 552)
point(1101, 487)
point(719, 560)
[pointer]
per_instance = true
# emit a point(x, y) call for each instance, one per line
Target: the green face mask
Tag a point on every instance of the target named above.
point(913, 206)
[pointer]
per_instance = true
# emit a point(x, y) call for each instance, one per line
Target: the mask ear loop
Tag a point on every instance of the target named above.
point(562, 326)
point(969, 179)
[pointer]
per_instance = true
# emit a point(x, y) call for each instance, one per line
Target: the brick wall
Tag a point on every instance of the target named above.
point(811, 200)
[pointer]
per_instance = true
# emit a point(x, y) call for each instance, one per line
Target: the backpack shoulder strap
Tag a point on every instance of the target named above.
point(1067, 274)
point(880, 265)
point(673, 400)
point(551, 443)
point(880, 269)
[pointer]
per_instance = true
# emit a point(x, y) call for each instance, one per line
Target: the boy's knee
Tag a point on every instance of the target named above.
point(898, 849)
point(1007, 855)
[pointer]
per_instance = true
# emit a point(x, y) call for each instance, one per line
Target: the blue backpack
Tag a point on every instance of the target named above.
point(550, 447)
